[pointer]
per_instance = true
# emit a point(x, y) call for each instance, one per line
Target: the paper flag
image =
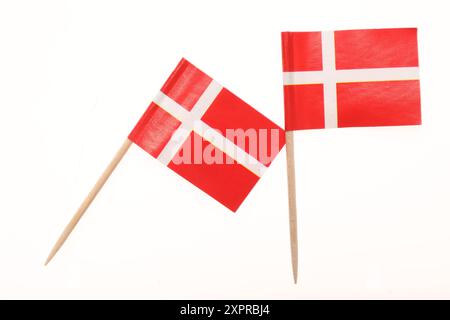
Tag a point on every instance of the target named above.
point(208, 135)
point(351, 78)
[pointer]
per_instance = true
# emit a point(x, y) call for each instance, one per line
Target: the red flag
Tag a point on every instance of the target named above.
point(208, 135)
point(351, 78)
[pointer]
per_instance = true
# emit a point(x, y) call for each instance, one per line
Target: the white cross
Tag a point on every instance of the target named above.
point(329, 77)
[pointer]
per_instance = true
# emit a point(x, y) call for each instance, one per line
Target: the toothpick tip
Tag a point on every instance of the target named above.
point(49, 258)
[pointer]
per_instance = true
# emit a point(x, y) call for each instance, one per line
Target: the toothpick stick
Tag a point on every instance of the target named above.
point(90, 197)
point(292, 201)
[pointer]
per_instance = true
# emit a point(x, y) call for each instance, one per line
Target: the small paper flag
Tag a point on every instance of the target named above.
point(207, 135)
point(351, 78)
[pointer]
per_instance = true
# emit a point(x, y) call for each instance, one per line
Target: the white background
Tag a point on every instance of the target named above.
point(75, 76)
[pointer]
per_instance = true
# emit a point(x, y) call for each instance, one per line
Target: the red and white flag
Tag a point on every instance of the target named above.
point(208, 135)
point(351, 78)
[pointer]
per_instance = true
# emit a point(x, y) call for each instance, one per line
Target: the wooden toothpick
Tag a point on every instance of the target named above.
point(292, 201)
point(90, 197)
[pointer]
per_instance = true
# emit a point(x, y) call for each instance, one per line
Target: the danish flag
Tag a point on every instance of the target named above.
point(208, 135)
point(351, 78)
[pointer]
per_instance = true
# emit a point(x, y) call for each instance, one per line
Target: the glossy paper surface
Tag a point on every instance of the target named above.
point(351, 78)
point(189, 118)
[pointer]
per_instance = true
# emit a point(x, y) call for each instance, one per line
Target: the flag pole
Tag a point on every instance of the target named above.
point(90, 197)
point(292, 201)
